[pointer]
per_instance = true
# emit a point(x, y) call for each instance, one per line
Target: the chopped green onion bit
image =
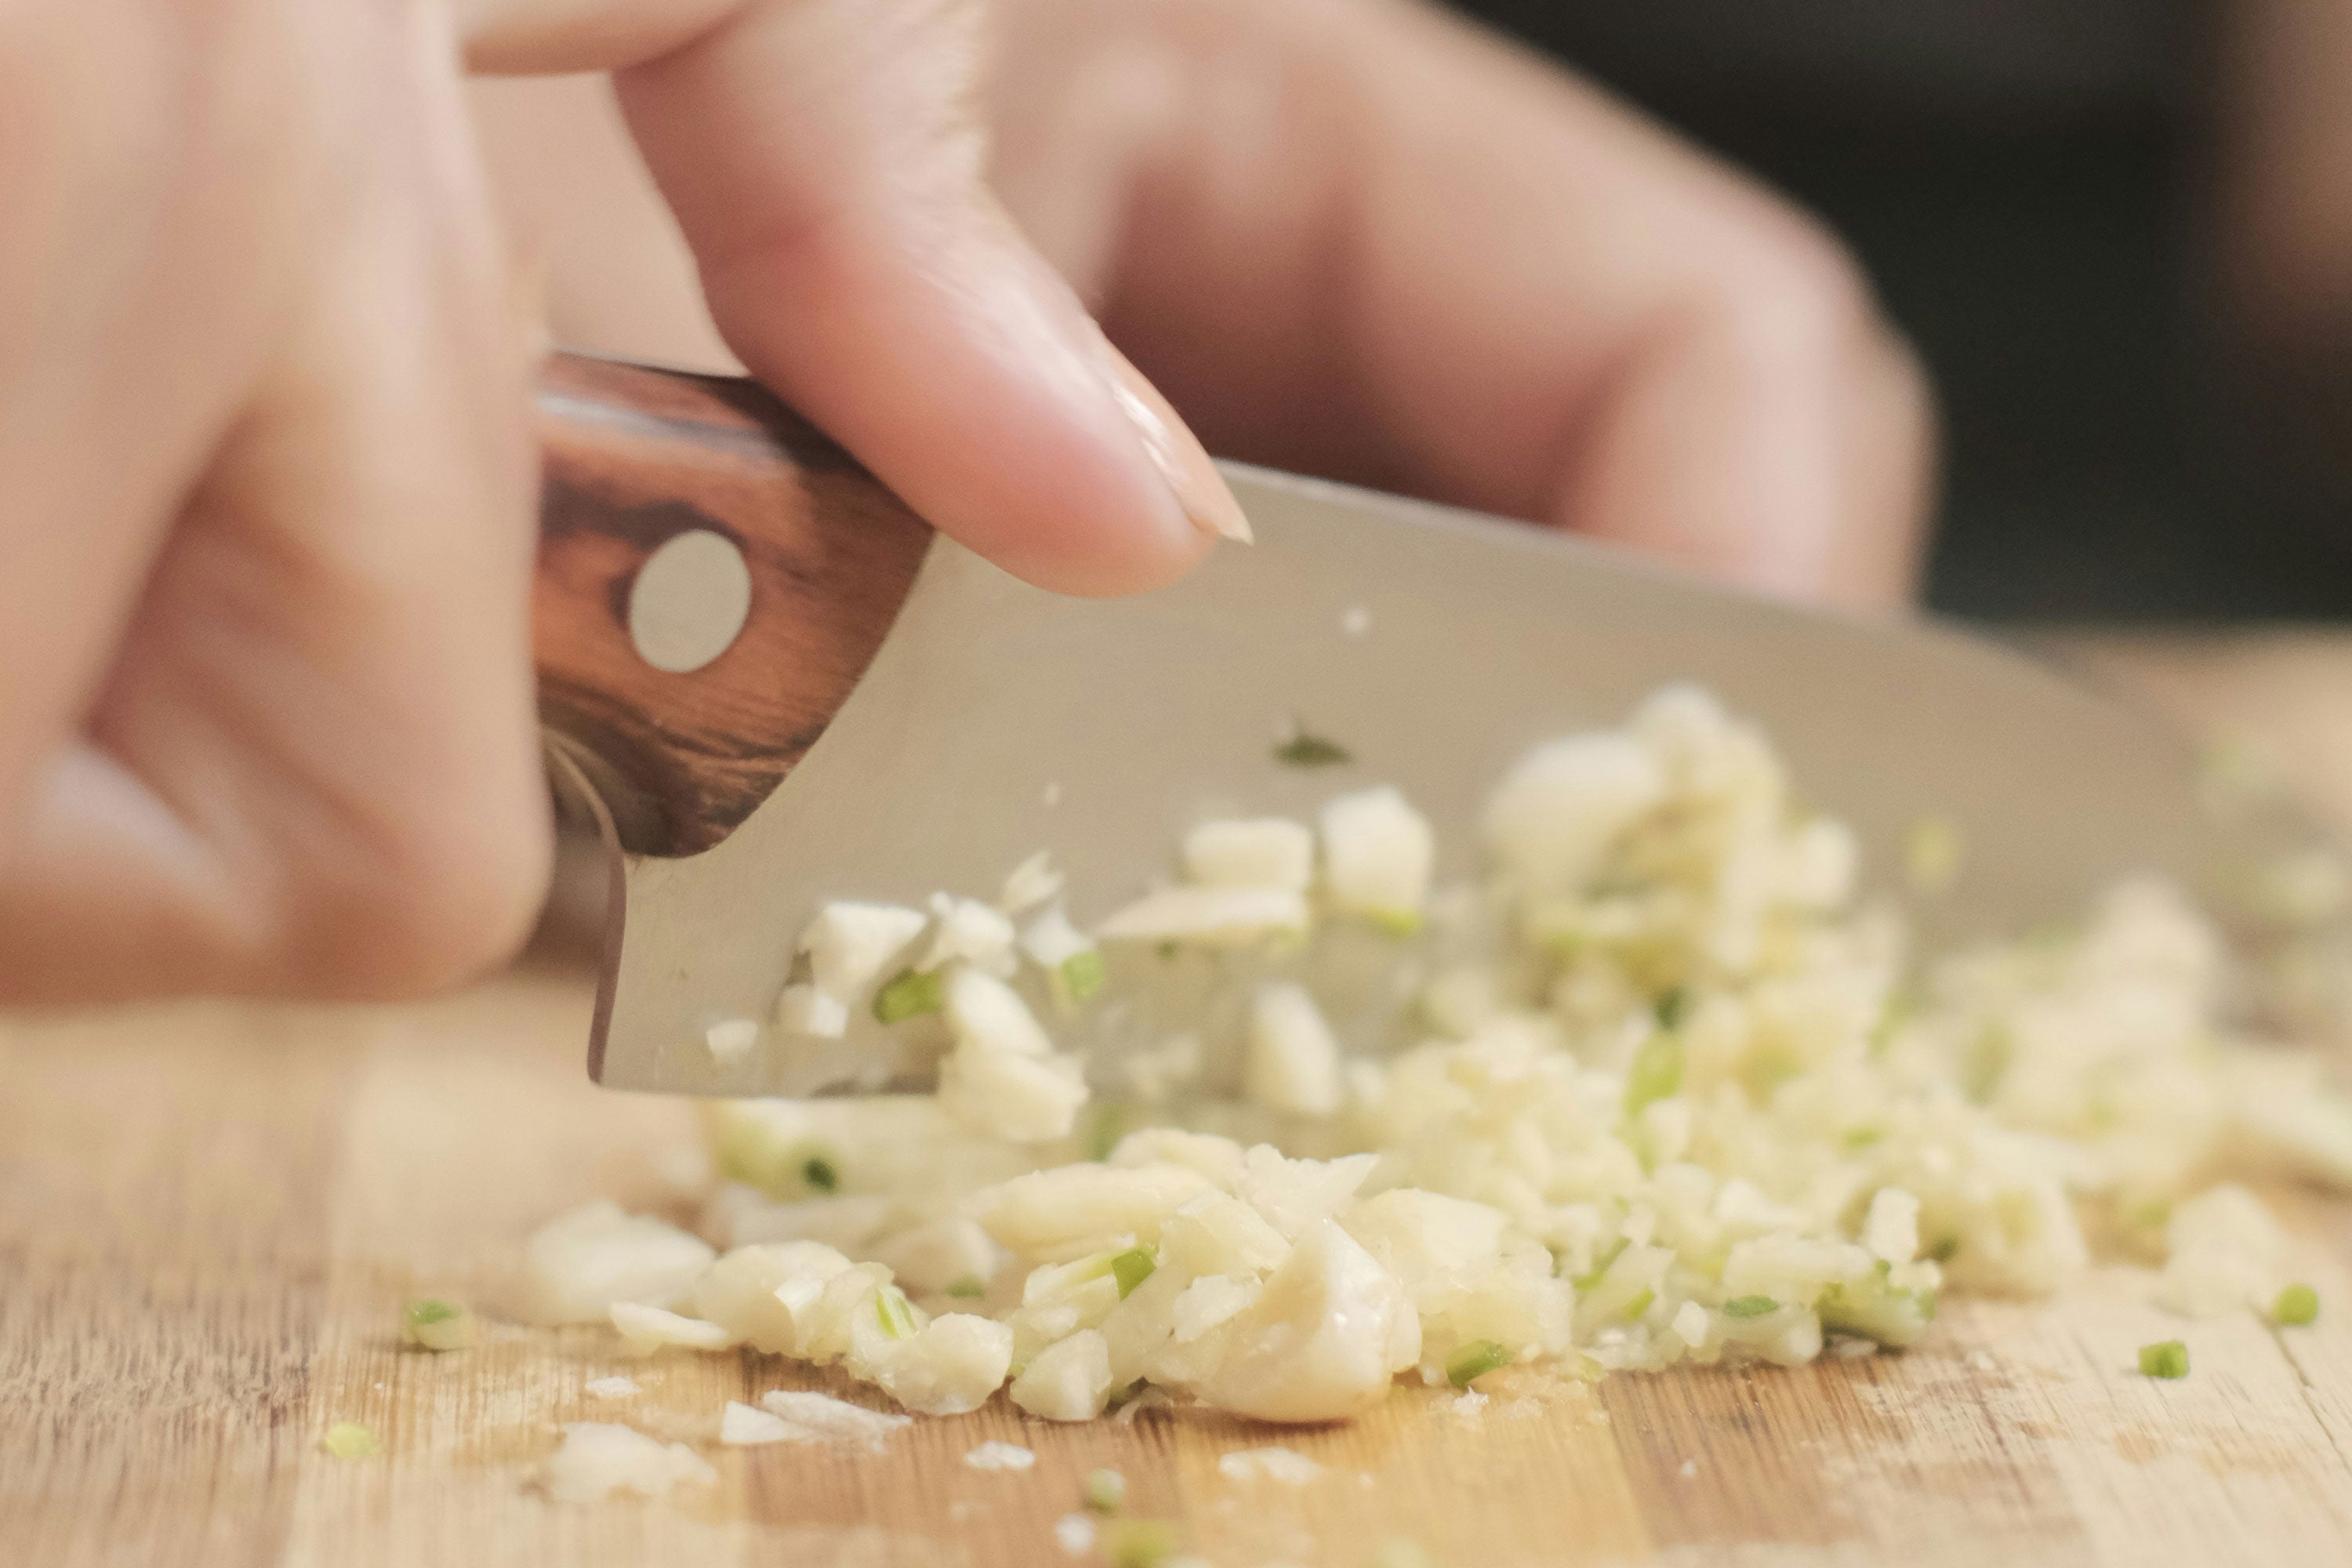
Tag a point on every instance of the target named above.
point(967, 1289)
point(1674, 1008)
point(1307, 751)
point(438, 1325)
point(1109, 1125)
point(1399, 924)
point(1083, 974)
point(350, 1440)
point(2169, 1359)
point(2296, 1306)
point(1656, 1073)
point(1584, 1282)
point(1138, 1542)
point(1105, 1491)
point(1638, 1305)
point(1131, 1268)
point(1474, 1360)
point(1750, 1306)
point(890, 1309)
point(818, 1172)
point(909, 996)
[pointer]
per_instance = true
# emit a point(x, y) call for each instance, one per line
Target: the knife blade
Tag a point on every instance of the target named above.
point(960, 719)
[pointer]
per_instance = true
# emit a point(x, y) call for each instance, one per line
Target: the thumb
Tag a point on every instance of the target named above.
point(823, 161)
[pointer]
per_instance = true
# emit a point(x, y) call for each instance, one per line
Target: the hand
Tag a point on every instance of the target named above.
point(266, 718)
point(1365, 239)
point(1362, 238)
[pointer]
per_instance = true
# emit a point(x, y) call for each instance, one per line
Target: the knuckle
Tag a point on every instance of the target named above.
point(1789, 280)
point(424, 905)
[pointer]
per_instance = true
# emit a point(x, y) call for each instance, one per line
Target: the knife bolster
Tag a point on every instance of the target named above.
point(634, 456)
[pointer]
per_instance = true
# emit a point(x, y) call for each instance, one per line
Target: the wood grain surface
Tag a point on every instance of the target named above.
point(209, 1216)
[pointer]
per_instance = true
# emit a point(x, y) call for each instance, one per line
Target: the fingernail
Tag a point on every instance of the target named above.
point(1178, 456)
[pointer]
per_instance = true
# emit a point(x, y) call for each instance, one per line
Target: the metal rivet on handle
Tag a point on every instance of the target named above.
point(690, 601)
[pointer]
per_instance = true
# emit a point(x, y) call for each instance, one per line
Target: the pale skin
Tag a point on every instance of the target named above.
point(267, 331)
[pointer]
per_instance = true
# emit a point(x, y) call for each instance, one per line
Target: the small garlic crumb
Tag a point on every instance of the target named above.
point(1689, 1468)
point(999, 1457)
point(1054, 792)
point(732, 1040)
point(1273, 1463)
point(612, 1387)
point(1982, 1360)
point(1357, 621)
point(743, 1426)
point(811, 1417)
point(1891, 1230)
point(1076, 1532)
point(598, 1458)
point(1853, 1349)
point(1690, 1324)
point(1469, 1401)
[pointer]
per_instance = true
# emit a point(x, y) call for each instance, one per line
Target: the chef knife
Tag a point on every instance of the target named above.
point(769, 685)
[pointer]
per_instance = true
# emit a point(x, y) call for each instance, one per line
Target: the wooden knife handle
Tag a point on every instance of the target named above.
point(635, 458)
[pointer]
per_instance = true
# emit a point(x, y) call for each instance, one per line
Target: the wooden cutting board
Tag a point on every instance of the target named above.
point(210, 1214)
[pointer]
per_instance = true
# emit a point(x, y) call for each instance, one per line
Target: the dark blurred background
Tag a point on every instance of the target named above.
point(2041, 191)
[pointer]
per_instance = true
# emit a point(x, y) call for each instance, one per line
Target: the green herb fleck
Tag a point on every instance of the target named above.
point(1166, 949)
point(1131, 1268)
point(1104, 1491)
point(1303, 749)
point(1864, 1137)
point(2296, 1306)
point(751, 1153)
point(1656, 1072)
point(1931, 854)
point(1138, 1542)
point(891, 1310)
point(1399, 925)
point(1674, 1008)
point(1944, 1248)
point(2168, 1359)
point(1082, 974)
point(1901, 1004)
point(967, 1289)
point(1474, 1360)
point(909, 996)
point(818, 1172)
point(350, 1440)
point(438, 1325)
point(1585, 1282)
point(1103, 1134)
point(1638, 1305)
point(1750, 1306)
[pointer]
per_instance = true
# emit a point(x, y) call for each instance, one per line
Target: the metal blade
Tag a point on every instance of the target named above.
point(1435, 646)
